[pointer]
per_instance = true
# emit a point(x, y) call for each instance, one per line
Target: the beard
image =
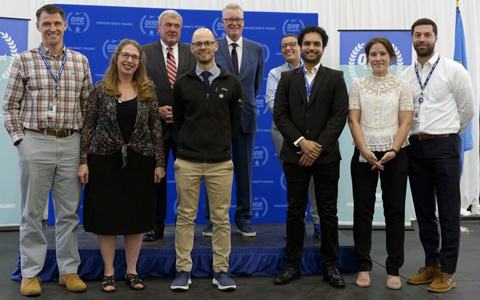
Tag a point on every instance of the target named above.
point(315, 60)
point(424, 52)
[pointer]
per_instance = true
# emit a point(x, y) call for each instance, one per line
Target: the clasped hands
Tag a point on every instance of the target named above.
point(378, 164)
point(310, 152)
point(166, 114)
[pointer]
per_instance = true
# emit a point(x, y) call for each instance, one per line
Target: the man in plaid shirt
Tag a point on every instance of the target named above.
point(44, 99)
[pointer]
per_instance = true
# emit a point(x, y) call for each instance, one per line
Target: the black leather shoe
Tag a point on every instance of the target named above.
point(152, 236)
point(288, 275)
point(331, 275)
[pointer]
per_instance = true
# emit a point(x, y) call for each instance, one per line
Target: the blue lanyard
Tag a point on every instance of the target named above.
point(308, 86)
point(55, 78)
point(422, 87)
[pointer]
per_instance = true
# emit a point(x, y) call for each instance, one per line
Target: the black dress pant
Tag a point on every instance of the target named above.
point(434, 172)
point(325, 178)
point(394, 184)
point(161, 207)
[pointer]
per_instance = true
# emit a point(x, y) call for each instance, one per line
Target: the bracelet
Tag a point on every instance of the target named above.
point(394, 151)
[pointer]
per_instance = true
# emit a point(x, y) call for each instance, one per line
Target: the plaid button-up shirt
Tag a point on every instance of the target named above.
point(31, 90)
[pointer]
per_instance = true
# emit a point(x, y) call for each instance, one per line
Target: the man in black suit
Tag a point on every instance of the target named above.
point(167, 59)
point(310, 110)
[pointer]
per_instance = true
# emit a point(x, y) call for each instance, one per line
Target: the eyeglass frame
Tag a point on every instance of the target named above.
point(126, 56)
point(199, 45)
point(232, 20)
point(286, 45)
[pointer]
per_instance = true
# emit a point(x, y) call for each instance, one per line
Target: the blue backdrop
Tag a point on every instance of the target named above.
point(96, 31)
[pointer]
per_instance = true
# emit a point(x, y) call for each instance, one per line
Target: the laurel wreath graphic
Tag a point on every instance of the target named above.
point(13, 52)
point(399, 60)
point(352, 59)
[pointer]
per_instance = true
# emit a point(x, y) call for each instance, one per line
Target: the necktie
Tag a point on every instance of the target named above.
point(206, 82)
point(235, 58)
point(171, 66)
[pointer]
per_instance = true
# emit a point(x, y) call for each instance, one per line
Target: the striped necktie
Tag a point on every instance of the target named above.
point(171, 66)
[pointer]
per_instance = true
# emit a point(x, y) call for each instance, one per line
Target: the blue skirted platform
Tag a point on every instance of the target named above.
point(263, 255)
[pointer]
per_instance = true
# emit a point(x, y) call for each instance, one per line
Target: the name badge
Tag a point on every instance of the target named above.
point(52, 110)
point(362, 159)
point(416, 116)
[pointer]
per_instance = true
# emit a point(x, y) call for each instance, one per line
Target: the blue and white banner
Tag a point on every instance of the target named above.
point(353, 62)
point(13, 40)
point(96, 31)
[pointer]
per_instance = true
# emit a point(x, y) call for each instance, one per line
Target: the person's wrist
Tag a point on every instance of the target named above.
point(393, 150)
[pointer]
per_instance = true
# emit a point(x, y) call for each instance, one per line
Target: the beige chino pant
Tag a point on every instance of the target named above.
point(218, 179)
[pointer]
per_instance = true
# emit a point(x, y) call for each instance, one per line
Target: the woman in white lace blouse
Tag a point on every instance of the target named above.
point(380, 115)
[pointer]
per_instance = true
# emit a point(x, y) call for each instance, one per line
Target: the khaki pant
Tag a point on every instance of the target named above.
point(218, 179)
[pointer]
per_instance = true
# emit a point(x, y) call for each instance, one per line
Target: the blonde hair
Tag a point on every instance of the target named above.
point(140, 82)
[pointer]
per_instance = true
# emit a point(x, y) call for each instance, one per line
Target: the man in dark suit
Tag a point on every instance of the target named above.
point(167, 59)
point(246, 60)
point(310, 110)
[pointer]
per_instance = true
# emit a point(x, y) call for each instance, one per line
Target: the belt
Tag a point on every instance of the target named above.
point(58, 133)
point(425, 136)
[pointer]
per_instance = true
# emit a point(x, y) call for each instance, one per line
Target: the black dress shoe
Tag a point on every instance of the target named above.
point(152, 236)
point(331, 275)
point(288, 275)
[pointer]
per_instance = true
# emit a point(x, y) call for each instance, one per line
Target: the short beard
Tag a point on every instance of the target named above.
point(424, 53)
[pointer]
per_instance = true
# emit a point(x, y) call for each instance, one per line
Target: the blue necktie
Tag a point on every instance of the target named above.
point(206, 82)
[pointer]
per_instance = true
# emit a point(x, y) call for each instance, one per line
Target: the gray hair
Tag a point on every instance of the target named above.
point(170, 13)
point(232, 6)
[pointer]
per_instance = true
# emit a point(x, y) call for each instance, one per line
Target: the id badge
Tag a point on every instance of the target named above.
point(52, 110)
point(416, 116)
point(361, 159)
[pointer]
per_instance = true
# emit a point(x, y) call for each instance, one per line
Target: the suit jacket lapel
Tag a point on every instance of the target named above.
point(223, 48)
point(161, 62)
point(318, 81)
point(245, 55)
point(300, 79)
point(182, 52)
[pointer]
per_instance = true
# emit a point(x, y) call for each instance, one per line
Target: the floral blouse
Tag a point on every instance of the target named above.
point(101, 111)
point(380, 99)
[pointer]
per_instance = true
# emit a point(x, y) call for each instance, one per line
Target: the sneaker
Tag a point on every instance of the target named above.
point(224, 281)
point(208, 231)
point(246, 229)
point(181, 282)
point(317, 231)
point(73, 283)
point(425, 274)
point(31, 286)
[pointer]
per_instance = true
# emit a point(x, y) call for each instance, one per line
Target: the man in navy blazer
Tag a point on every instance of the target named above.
point(249, 67)
point(310, 110)
point(169, 28)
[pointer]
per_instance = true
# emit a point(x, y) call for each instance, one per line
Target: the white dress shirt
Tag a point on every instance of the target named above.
point(165, 52)
point(239, 50)
point(448, 105)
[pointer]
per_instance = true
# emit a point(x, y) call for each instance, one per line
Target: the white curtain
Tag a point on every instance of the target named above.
point(335, 15)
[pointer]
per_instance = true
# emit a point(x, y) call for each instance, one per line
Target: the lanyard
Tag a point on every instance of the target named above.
point(55, 78)
point(308, 86)
point(422, 87)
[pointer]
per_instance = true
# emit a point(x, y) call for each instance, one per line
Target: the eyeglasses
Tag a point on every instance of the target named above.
point(207, 44)
point(291, 45)
point(230, 20)
point(126, 55)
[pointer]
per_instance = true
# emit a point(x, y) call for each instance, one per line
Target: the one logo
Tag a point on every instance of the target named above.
point(260, 207)
point(266, 51)
point(283, 181)
point(357, 58)
point(292, 26)
point(13, 53)
point(109, 47)
point(262, 107)
point(78, 22)
point(148, 25)
point(260, 156)
point(218, 28)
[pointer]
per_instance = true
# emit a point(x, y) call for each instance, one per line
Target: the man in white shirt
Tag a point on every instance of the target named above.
point(291, 53)
point(443, 96)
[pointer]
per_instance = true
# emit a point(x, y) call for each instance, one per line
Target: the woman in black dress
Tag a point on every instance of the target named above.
point(121, 160)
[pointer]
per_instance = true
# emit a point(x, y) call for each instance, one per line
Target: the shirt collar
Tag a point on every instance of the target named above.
point(239, 42)
point(314, 69)
point(165, 46)
point(49, 53)
point(300, 64)
point(430, 62)
point(215, 70)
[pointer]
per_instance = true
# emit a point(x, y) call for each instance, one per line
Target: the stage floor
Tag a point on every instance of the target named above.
point(261, 287)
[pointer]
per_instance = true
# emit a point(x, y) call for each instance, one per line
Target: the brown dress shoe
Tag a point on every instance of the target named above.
point(442, 283)
point(425, 274)
point(73, 283)
point(31, 286)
